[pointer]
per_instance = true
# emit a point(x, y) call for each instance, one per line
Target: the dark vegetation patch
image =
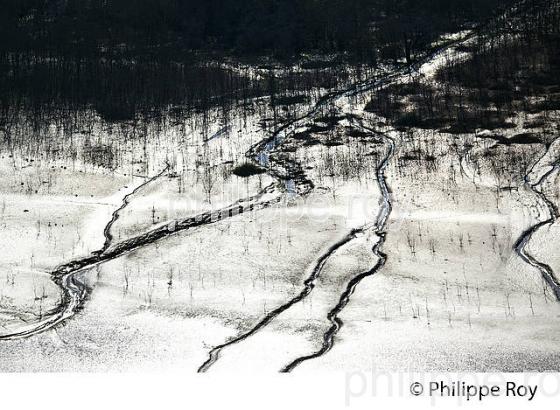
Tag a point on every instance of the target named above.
point(418, 156)
point(311, 142)
point(412, 120)
point(306, 138)
point(291, 100)
point(247, 170)
point(121, 90)
point(116, 110)
point(319, 128)
point(510, 71)
point(385, 104)
point(330, 120)
point(356, 133)
point(410, 156)
point(302, 136)
point(524, 138)
point(471, 122)
point(551, 103)
point(465, 48)
point(505, 74)
point(289, 148)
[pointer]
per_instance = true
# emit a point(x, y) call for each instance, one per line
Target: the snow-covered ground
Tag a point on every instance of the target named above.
point(256, 289)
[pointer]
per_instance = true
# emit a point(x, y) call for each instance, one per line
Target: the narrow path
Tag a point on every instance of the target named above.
point(309, 285)
point(75, 291)
point(520, 246)
point(380, 231)
point(125, 202)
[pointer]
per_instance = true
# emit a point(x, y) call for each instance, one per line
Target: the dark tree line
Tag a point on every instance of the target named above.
point(358, 28)
point(122, 57)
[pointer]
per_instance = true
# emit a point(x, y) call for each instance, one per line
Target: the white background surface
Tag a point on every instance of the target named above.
point(234, 391)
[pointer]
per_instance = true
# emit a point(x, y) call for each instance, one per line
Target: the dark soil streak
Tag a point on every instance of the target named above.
point(380, 230)
point(75, 292)
point(309, 285)
point(520, 246)
point(125, 203)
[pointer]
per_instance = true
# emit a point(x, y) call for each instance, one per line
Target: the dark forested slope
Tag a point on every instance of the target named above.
point(283, 27)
